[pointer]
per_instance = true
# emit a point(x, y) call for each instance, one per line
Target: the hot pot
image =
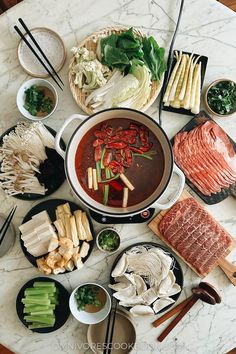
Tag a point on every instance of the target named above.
point(86, 123)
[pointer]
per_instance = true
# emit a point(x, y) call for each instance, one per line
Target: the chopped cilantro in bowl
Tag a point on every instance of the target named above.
point(221, 97)
point(108, 240)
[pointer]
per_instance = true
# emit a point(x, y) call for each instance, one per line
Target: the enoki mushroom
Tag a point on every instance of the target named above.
point(21, 154)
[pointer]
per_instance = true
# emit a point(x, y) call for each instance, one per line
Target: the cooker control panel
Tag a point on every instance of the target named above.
point(135, 219)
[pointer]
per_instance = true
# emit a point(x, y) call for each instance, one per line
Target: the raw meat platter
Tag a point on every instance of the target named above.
point(195, 236)
point(217, 197)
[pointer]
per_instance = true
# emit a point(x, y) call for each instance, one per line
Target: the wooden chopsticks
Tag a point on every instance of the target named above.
point(6, 224)
point(108, 343)
point(36, 54)
point(171, 313)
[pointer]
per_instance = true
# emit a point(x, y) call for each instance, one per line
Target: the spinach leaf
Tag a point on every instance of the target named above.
point(154, 57)
point(126, 50)
point(222, 97)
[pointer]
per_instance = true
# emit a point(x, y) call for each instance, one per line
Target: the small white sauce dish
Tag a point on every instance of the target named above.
point(90, 317)
point(20, 98)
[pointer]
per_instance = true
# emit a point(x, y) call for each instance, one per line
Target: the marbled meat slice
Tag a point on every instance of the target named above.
point(196, 236)
point(207, 157)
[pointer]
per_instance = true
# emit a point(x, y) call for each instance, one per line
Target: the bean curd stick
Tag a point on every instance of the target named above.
point(125, 197)
point(184, 86)
point(74, 234)
point(126, 182)
point(90, 178)
point(95, 181)
point(172, 77)
point(80, 228)
point(60, 227)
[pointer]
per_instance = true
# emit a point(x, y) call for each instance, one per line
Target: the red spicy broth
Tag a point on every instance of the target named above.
point(122, 139)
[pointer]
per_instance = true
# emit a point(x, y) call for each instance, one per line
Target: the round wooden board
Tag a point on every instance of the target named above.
point(91, 44)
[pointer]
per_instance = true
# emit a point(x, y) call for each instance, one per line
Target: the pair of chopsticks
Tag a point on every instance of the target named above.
point(110, 330)
point(169, 63)
point(6, 224)
point(180, 309)
point(36, 54)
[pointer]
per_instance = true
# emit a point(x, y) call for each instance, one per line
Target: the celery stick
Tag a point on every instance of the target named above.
point(37, 296)
point(143, 155)
point(106, 194)
point(35, 325)
point(39, 290)
point(37, 308)
point(102, 157)
point(39, 313)
point(33, 307)
point(98, 169)
point(107, 172)
point(54, 301)
point(41, 319)
point(46, 284)
point(35, 301)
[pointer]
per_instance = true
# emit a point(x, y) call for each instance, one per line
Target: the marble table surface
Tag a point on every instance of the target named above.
point(207, 28)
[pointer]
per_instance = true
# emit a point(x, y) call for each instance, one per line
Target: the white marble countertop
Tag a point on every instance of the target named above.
point(207, 28)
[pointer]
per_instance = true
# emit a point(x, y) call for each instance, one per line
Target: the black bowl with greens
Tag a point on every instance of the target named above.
point(108, 240)
point(221, 97)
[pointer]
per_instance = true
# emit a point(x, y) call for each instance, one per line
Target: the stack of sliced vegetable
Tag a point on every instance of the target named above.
point(184, 86)
point(40, 302)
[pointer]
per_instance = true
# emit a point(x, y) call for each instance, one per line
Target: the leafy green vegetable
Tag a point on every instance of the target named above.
point(109, 240)
point(87, 295)
point(222, 97)
point(36, 101)
point(125, 51)
point(154, 57)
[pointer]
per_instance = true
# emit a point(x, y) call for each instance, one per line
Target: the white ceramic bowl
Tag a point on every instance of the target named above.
point(86, 317)
point(20, 98)
point(97, 240)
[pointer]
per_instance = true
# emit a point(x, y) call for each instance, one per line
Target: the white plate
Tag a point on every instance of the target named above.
point(51, 44)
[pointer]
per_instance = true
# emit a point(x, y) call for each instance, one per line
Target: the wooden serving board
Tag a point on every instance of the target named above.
point(199, 119)
point(228, 268)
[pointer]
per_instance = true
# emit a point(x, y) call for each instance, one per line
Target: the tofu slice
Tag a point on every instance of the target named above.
point(77, 261)
point(38, 250)
point(29, 236)
point(53, 244)
point(84, 249)
point(42, 216)
point(69, 265)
